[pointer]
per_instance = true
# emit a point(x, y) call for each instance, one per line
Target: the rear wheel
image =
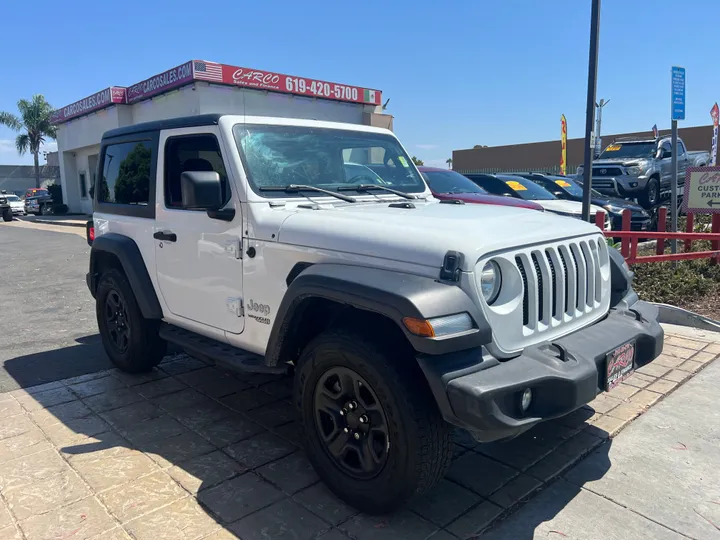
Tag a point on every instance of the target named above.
point(7, 214)
point(650, 197)
point(130, 340)
point(373, 431)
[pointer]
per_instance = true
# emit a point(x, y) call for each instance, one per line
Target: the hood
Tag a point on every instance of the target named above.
point(564, 206)
point(481, 198)
point(617, 202)
point(627, 162)
point(421, 235)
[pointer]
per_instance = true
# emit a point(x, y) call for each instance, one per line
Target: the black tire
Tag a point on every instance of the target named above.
point(650, 197)
point(7, 215)
point(40, 210)
point(417, 450)
point(131, 341)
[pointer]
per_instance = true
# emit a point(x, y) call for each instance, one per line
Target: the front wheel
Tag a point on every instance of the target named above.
point(130, 340)
point(7, 215)
point(650, 197)
point(373, 431)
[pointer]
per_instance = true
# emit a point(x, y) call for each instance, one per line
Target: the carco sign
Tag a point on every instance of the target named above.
point(95, 102)
point(702, 190)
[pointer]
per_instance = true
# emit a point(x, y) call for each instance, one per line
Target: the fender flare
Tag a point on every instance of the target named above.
point(389, 293)
point(127, 252)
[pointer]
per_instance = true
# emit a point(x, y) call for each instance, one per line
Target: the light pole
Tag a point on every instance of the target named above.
point(598, 142)
point(590, 110)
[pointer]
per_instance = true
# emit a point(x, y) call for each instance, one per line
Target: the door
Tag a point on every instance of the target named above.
point(198, 258)
point(665, 162)
point(682, 162)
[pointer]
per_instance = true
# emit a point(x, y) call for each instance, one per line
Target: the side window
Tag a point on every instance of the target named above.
point(125, 176)
point(681, 147)
point(191, 153)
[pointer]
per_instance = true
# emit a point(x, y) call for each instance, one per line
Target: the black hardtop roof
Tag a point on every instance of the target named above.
point(170, 123)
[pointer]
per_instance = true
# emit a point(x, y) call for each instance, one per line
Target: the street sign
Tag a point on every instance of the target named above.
point(702, 190)
point(678, 93)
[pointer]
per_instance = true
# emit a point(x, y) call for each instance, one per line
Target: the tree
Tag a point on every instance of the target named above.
point(34, 121)
point(449, 162)
point(418, 162)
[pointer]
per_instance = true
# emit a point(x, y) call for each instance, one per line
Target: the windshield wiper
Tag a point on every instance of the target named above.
point(296, 188)
point(368, 187)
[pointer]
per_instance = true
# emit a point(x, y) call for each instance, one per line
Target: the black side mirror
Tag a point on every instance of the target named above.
point(201, 190)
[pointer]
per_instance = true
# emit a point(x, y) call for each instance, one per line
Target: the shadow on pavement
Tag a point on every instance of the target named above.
point(232, 441)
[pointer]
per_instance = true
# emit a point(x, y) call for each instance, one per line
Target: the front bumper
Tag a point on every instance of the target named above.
point(563, 375)
point(620, 186)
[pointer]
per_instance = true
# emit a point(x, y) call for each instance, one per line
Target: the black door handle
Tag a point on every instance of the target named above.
point(166, 236)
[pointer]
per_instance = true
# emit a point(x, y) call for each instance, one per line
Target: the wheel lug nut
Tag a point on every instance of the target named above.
point(357, 436)
point(342, 412)
point(352, 405)
point(346, 430)
point(363, 419)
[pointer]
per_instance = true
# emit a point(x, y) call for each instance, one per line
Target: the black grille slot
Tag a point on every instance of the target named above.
point(606, 171)
point(540, 288)
point(577, 281)
point(565, 274)
point(554, 283)
point(526, 296)
point(589, 266)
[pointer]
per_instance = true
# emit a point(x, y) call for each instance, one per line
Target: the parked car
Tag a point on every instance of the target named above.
point(36, 192)
point(16, 204)
point(39, 204)
point(450, 185)
point(400, 317)
point(5, 208)
point(509, 185)
point(640, 168)
point(564, 187)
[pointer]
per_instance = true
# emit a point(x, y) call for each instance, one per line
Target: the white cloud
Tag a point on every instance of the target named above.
point(10, 156)
point(427, 146)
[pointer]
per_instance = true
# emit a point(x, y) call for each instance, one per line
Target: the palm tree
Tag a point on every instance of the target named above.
point(449, 162)
point(34, 119)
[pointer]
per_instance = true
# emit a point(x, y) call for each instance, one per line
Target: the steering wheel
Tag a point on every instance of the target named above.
point(362, 179)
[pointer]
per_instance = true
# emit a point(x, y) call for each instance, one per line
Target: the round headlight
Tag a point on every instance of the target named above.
point(490, 281)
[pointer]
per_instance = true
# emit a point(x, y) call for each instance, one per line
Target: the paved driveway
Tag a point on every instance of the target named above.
point(190, 452)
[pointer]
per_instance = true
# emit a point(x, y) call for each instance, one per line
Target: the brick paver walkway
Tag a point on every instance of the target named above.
point(191, 452)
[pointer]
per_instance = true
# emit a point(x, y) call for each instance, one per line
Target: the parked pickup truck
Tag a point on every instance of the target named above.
point(246, 241)
point(640, 168)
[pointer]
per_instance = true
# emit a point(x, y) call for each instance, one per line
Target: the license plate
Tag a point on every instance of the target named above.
point(620, 365)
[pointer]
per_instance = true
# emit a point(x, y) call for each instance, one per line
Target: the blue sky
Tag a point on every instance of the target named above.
point(458, 73)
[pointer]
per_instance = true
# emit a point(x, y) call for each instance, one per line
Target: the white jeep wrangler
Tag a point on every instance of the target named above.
point(315, 248)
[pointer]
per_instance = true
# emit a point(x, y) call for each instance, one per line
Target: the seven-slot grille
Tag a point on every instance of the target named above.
point(560, 282)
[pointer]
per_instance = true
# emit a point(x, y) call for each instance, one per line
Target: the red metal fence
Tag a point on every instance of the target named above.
point(629, 239)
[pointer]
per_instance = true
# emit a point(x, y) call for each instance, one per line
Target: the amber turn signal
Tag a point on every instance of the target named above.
point(419, 327)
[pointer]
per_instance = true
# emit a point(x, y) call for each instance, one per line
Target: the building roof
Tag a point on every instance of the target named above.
point(28, 171)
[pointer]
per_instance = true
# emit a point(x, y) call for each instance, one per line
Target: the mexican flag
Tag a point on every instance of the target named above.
point(369, 96)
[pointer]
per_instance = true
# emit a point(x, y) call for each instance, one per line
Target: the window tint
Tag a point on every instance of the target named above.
point(492, 185)
point(191, 153)
point(126, 174)
point(450, 182)
point(681, 147)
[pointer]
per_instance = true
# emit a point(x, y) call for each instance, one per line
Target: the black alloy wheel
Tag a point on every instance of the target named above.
point(116, 319)
point(351, 422)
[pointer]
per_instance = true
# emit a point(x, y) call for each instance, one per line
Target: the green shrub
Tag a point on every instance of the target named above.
point(55, 192)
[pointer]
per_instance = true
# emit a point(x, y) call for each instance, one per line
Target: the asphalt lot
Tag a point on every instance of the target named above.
point(47, 325)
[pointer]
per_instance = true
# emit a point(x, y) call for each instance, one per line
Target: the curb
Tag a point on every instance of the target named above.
point(59, 222)
point(682, 317)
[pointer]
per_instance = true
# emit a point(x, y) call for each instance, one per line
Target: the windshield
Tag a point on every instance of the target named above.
point(629, 150)
point(450, 182)
point(275, 156)
point(527, 189)
point(12, 198)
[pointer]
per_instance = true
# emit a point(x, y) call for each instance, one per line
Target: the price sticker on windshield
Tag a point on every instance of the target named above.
point(403, 161)
point(517, 186)
point(562, 183)
point(613, 148)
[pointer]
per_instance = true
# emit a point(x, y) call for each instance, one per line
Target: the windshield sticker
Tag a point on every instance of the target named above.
point(562, 183)
point(403, 161)
point(613, 148)
point(517, 186)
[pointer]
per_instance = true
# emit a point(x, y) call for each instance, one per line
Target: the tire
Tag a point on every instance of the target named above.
point(7, 215)
point(650, 197)
point(141, 348)
point(416, 448)
point(40, 210)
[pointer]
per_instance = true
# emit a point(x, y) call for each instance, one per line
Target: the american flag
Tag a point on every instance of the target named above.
point(208, 71)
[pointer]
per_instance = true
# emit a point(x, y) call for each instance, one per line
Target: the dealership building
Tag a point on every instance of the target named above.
point(545, 156)
point(193, 88)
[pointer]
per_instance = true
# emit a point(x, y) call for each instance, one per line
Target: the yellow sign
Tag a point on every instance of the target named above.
point(563, 143)
point(613, 148)
point(403, 161)
point(517, 186)
point(562, 183)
